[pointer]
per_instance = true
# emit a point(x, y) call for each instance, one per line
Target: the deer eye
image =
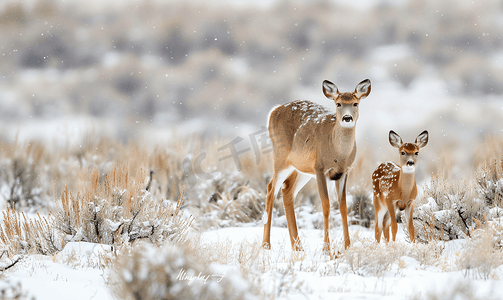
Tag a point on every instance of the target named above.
point(355, 104)
point(403, 153)
point(338, 104)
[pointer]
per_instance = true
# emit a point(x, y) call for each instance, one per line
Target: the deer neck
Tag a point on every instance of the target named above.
point(343, 139)
point(406, 182)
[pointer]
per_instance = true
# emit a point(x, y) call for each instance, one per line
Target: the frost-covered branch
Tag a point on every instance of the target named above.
point(446, 210)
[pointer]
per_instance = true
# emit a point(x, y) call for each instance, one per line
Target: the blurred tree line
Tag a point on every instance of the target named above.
point(176, 61)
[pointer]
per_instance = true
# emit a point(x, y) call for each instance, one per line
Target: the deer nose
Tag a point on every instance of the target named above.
point(347, 118)
point(410, 163)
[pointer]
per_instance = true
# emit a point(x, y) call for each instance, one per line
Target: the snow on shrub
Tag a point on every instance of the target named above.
point(112, 211)
point(361, 209)
point(496, 227)
point(118, 209)
point(22, 235)
point(365, 257)
point(86, 255)
point(446, 210)
point(232, 200)
point(20, 177)
point(148, 272)
point(480, 256)
point(490, 183)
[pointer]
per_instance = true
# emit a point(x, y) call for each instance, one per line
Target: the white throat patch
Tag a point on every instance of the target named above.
point(408, 170)
point(348, 124)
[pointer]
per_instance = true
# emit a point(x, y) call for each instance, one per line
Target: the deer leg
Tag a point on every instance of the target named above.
point(377, 231)
point(269, 202)
point(288, 202)
point(386, 222)
point(272, 192)
point(410, 222)
point(394, 225)
point(325, 204)
point(341, 192)
point(379, 223)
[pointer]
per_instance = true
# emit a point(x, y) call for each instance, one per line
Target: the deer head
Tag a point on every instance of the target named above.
point(408, 151)
point(347, 103)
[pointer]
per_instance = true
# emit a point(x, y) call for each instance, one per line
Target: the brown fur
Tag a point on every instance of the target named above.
point(309, 139)
point(393, 188)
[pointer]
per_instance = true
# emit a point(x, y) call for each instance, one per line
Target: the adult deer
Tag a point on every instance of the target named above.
point(311, 141)
point(395, 187)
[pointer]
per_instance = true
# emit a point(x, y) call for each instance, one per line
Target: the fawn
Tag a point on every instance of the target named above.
point(394, 186)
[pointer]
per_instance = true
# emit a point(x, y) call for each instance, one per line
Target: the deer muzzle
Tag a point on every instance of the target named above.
point(409, 167)
point(347, 121)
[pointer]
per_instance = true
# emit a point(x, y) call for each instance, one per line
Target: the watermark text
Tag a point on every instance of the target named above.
point(182, 276)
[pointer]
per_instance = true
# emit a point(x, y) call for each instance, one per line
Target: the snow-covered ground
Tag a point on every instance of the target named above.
point(76, 272)
point(457, 121)
point(409, 279)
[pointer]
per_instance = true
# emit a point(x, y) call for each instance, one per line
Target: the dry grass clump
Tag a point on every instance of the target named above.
point(116, 207)
point(22, 235)
point(496, 228)
point(167, 173)
point(365, 257)
point(110, 209)
point(213, 186)
point(233, 193)
point(20, 187)
point(170, 272)
point(359, 185)
point(216, 190)
point(446, 210)
point(368, 258)
point(489, 180)
point(240, 204)
point(480, 256)
point(426, 254)
point(490, 149)
point(253, 262)
point(246, 255)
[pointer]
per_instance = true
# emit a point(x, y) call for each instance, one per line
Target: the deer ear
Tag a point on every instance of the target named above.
point(422, 139)
point(330, 90)
point(394, 139)
point(363, 88)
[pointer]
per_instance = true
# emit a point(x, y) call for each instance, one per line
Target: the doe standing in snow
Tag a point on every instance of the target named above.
point(311, 141)
point(395, 187)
